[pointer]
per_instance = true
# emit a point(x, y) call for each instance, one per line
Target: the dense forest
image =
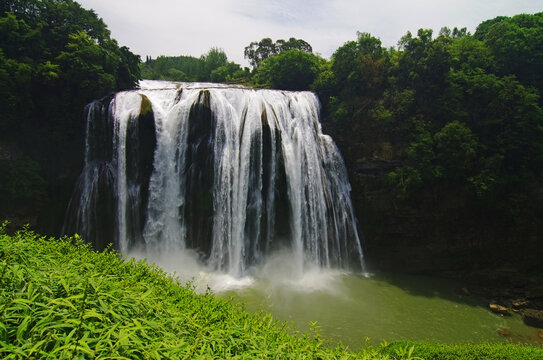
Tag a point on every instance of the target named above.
point(443, 134)
point(210, 67)
point(55, 57)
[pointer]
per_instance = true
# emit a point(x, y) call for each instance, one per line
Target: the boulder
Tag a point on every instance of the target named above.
point(533, 318)
point(519, 304)
point(499, 309)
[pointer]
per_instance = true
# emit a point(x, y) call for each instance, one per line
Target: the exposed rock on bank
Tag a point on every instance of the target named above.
point(533, 318)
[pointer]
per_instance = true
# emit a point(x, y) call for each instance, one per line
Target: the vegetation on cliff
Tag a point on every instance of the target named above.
point(55, 57)
point(452, 127)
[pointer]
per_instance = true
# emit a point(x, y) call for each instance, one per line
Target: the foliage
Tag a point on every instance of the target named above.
point(63, 300)
point(212, 66)
point(360, 66)
point(257, 52)
point(289, 70)
point(174, 68)
point(21, 180)
point(456, 150)
point(431, 351)
point(55, 57)
point(465, 111)
point(515, 43)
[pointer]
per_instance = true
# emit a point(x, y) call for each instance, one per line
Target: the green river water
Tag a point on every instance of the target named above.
point(352, 308)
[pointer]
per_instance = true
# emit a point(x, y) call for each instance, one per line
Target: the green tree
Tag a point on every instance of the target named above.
point(212, 66)
point(456, 150)
point(55, 57)
point(22, 180)
point(161, 68)
point(89, 68)
point(516, 45)
point(212, 60)
point(361, 66)
point(290, 70)
point(257, 52)
point(293, 44)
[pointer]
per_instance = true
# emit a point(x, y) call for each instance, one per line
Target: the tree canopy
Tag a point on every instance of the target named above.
point(463, 111)
point(515, 43)
point(289, 70)
point(212, 66)
point(257, 52)
point(55, 57)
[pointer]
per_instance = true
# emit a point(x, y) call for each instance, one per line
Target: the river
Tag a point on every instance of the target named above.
point(355, 308)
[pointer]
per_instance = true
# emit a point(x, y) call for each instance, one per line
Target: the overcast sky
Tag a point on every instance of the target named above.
point(192, 27)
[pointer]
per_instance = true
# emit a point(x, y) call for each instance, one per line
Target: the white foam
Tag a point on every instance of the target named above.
point(279, 272)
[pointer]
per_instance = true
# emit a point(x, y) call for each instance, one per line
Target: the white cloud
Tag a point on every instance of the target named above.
point(192, 27)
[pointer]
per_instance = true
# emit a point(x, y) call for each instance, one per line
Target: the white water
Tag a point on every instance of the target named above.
point(124, 109)
point(276, 181)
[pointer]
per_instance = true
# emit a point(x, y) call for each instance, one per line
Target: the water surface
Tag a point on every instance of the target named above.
point(352, 307)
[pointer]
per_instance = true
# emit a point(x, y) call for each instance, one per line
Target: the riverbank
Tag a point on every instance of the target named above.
point(508, 292)
point(68, 301)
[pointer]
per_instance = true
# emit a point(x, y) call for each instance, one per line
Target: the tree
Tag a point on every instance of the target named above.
point(257, 52)
point(230, 72)
point(456, 149)
point(55, 57)
point(84, 63)
point(516, 44)
point(293, 44)
point(212, 60)
point(360, 66)
point(212, 66)
point(289, 70)
point(456, 33)
point(161, 68)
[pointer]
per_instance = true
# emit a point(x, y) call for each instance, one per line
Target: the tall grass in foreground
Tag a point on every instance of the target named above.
point(61, 300)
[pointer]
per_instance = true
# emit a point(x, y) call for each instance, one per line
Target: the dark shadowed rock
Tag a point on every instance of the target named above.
point(499, 309)
point(533, 318)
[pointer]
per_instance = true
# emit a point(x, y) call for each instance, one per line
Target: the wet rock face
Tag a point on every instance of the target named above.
point(200, 175)
point(140, 149)
point(92, 210)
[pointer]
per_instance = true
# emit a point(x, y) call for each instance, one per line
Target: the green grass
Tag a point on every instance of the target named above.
point(59, 299)
point(429, 351)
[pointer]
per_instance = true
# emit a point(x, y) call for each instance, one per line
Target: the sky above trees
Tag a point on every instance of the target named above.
point(189, 27)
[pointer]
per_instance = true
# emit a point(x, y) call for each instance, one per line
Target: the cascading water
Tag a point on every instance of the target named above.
point(232, 173)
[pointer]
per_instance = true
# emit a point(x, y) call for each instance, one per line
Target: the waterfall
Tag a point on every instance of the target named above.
point(230, 172)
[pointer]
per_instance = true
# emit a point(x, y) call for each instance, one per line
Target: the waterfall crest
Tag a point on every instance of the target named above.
point(233, 173)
